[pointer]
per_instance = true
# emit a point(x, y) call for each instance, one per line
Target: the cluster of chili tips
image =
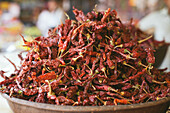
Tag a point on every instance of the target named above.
point(91, 61)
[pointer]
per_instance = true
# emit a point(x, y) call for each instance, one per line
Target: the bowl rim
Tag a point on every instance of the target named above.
point(67, 108)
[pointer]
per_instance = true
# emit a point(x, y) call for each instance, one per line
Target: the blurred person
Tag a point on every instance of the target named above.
point(146, 6)
point(105, 4)
point(158, 23)
point(13, 13)
point(10, 20)
point(66, 5)
point(152, 5)
point(141, 5)
point(52, 17)
point(10, 27)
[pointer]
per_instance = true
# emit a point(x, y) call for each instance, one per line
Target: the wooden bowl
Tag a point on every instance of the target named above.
point(24, 106)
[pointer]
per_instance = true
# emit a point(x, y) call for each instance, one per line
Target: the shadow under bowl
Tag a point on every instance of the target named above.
point(24, 106)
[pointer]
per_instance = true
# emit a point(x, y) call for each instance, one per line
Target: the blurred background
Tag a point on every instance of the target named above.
point(33, 18)
point(25, 16)
point(22, 16)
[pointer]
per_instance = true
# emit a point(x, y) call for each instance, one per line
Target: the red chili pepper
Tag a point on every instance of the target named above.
point(61, 61)
point(150, 57)
point(105, 15)
point(121, 101)
point(47, 76)
point(94, 60)
point(137, 75)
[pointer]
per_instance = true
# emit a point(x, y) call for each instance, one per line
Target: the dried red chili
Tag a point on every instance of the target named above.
point(93, 60)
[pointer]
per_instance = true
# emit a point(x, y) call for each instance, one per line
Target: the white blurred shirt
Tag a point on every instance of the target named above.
point(47, 20)
point(160, 22)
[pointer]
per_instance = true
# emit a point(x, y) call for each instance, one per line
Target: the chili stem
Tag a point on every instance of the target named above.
point(144, 39)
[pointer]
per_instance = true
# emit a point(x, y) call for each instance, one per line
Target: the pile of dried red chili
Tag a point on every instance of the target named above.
point(91, 61)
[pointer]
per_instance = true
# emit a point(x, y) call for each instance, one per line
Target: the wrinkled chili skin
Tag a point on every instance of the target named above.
point(94, 60)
